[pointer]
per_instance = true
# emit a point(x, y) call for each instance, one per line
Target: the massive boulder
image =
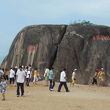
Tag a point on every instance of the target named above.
point(84, 47)
point(35, 45)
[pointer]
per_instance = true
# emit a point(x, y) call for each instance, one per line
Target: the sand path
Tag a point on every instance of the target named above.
point(38, 97)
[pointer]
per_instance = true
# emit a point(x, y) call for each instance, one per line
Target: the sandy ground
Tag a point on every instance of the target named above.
point(38, 97)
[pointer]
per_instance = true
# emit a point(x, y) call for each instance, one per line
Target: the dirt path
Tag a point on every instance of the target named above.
point(80, 97)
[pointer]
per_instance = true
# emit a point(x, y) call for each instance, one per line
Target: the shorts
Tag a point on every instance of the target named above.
point(2, 90)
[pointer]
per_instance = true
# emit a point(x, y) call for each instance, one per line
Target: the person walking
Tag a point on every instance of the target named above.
point(73, 78)
point(63, 79)
point(28, 76)
point(36, 76)
point(46, 76)
point(51, 79)
point(20, 78)
point(11, 76)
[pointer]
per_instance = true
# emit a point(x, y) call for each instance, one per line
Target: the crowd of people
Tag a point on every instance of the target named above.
point(50, 76)
point(17, 77)
point(24, 75)
point(30, 74)
point(99, 77)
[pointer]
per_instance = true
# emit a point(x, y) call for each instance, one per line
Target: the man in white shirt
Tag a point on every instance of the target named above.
point(11, 76)
point(63, 81)
point(28, 76)
point(20, 78)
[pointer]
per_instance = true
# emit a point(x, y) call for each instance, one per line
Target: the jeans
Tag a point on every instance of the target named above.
point(60, 86)
point(20, 85)
point(52, 84)
point(27, 81)
point(12, 80)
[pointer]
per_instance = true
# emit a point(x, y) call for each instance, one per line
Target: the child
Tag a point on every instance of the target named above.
point(3, 86)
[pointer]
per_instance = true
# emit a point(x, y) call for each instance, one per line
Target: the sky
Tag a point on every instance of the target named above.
point(17, 14)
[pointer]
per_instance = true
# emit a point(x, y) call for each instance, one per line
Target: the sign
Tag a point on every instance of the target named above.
point(32, 48)
point(101, 37)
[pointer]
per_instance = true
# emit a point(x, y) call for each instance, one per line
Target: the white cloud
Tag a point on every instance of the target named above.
point(56, 8)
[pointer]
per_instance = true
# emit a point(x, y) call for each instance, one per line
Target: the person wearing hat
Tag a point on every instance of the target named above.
point(73, 78)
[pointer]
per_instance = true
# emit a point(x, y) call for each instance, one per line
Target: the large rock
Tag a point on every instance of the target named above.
point(84, 47)
point(35, 45)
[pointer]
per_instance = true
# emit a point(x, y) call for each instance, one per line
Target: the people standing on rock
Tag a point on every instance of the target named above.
point(63, 79)
point(11, 76)
point(3, 86)
point(101, 77)
point(73, 78)
point(51, 79)
point(46, 76)
point(20, 78)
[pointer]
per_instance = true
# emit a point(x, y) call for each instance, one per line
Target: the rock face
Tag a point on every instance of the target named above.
point(84, 47)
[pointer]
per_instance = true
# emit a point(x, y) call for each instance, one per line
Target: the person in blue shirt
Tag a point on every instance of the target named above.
point(51, 79)
point(3, 86)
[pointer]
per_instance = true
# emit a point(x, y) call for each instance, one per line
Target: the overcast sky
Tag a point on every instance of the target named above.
point(16, 14)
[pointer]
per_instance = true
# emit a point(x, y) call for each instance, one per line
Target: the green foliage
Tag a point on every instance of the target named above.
point(84, 23)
